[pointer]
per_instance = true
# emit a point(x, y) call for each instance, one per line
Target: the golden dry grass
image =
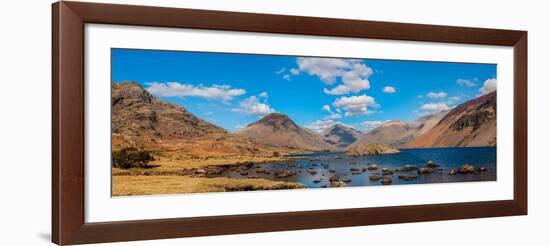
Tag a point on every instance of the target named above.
point(173, 164)
point(154, 185)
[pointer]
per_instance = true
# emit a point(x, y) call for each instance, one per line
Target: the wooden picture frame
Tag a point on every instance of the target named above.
point(68, 223)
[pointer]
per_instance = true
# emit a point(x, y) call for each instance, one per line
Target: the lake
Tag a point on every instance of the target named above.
point(314, 170)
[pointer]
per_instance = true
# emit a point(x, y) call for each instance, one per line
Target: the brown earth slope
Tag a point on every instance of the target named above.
point(139, 119)
point(393, 133)
point(470, 124)
point(277, 130)
point(340, 136)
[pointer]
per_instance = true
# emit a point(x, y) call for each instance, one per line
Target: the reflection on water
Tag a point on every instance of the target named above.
point(315, 170)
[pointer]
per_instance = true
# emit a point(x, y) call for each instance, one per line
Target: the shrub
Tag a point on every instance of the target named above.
point(276, 154)
point(129, 157)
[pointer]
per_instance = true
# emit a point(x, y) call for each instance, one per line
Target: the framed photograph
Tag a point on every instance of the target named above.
point(176, 122)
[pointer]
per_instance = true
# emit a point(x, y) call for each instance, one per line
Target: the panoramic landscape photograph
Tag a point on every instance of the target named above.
point(197, 122)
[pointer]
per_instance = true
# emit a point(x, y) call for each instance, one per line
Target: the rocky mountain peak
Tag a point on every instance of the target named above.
point(137, 117)
point(277, 121)
point(340, 136)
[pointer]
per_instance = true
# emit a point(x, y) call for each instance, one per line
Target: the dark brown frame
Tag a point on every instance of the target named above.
point(68, 225)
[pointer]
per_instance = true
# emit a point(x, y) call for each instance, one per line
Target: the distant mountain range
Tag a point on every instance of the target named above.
point(140, 119)
point(397, 133)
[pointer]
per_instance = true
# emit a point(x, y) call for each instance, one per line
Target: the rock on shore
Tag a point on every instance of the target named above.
point(371, 149)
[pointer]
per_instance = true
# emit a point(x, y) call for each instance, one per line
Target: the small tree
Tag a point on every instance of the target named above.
point(129, 157)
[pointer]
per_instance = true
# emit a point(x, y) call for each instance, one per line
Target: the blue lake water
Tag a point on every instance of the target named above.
point(319, 167)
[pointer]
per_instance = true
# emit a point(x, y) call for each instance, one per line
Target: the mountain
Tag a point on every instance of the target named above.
point(138, 117)
point(469, 124)
point(340, 136)
point(278, 130)
point(393, 133)
point(396, 133)
point(427, 122)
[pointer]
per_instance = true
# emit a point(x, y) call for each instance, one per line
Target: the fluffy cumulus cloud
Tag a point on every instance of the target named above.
point(434, 107)
point(489, 85)
point(389, 89)
point(355, 105)
point(321, 125)
point(176, 89)
point(327, 108)
point(334, 116)
point(465, 82)
point(327, 69)
point(353, 73)
point(436, 95)
point(254, 106)
point(325, 122)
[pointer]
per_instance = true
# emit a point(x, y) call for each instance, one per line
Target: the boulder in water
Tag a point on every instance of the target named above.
point(408, 168)
point(386, 180)
point(425, 170)
point(466, 168)
point(431, 164)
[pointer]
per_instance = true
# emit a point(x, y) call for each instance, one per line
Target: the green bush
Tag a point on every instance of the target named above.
point(129, 157)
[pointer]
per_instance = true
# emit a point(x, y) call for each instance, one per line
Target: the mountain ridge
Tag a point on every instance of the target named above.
point(470, 124)
point(340, 136)
point(395, 133)
point(137, 116)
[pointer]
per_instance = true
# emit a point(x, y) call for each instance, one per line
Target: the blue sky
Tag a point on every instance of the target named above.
point(233, 90)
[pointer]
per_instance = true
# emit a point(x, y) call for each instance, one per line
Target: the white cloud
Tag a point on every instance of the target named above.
point(327, 108)
point(489, 85)
point(263, 95)
point(334, 116)
point(466, 82)
point(252, 105)
point(353, 73)
point(280, 71)
point(176, 89)
point(354, 80)
point(355, 105)
point(367, 126)
point(453, 100)
point(389, 89)
point(286, 77)
point(321, 125)
point(327, 69)
point(434, 107)
point(436, 95)
point(327, 121)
